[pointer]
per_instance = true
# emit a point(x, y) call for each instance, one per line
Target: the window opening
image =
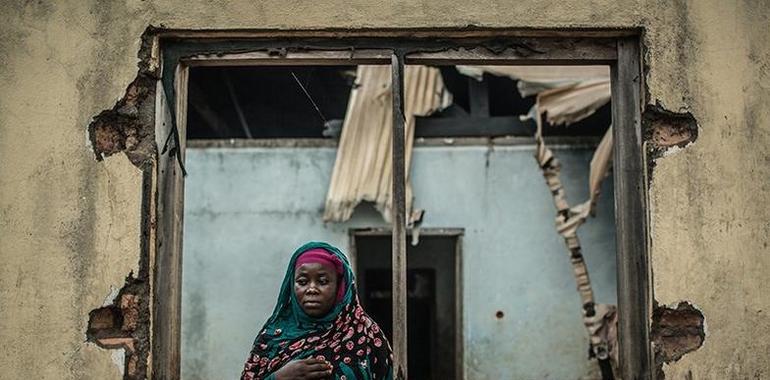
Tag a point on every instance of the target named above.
point(622, 72)
point(233, 199)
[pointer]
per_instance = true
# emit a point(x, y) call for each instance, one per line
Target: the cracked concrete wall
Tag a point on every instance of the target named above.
point(710, 220)
point(70, 225)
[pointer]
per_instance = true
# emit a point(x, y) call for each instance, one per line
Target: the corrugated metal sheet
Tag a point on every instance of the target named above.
point(362, 170)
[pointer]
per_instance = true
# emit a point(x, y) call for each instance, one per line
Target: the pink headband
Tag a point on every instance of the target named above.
point(329, 260)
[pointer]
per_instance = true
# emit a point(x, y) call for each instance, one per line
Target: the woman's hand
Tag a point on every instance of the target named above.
point(309, 368)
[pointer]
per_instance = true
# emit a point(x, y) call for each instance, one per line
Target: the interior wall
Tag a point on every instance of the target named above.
point(69, 232)
point(247, 209)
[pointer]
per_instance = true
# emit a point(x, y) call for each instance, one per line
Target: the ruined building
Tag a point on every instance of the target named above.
point(526, 189)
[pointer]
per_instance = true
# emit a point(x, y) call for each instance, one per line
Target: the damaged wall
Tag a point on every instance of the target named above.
point(710, 229)
point(70, 225)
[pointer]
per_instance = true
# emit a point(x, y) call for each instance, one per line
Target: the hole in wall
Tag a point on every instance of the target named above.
point(665, 129)
point(675, 332)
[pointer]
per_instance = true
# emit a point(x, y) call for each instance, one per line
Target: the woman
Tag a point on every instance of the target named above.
point(318, 329)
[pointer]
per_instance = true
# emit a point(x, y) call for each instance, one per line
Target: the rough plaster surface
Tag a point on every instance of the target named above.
point(710, 221)
point(69, 225)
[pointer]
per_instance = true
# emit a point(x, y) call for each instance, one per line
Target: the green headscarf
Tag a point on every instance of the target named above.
point(345, 337)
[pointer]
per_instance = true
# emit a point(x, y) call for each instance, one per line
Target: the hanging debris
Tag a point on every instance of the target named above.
point(600, 320)
point(362, 170)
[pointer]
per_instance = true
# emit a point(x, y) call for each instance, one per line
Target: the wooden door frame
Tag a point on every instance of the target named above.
point(177, 50)
point(457, 234)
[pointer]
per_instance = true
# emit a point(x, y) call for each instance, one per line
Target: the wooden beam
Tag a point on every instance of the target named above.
point(459, 327)
point(478, 96)
point(292, 58)
point(631, 214)
point(520, 51)
point(472, 126)
point(262, 143)
point(427, 32)
point(398, 218)
point(487, 49)
point(555, 142)
point(428, 231)
point(167, 273)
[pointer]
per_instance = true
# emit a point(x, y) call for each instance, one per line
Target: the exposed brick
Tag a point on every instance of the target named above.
point(129, 126)
point(129, 305)
point(125, 342)
point(665, 129)
point(132, 370)
point(673, 134)
point(105, 318)
point(675, 332)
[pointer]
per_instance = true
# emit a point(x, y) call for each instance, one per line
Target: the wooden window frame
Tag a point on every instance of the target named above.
point(177, 51)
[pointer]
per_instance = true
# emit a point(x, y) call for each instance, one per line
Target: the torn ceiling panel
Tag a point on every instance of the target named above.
point(570, 104)
point(362, 171)
point(566, 94)
point(600, 167)
point(539, 73)
point(363, 167)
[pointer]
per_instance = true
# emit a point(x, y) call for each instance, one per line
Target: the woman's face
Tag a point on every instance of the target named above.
point(316, 288)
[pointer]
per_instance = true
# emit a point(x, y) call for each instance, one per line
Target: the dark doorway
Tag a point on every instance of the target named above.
point(432, 306)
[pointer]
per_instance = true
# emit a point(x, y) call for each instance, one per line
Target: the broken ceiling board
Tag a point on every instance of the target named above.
point(362, 171)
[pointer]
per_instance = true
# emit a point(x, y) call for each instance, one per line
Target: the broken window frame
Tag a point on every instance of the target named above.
point(174, 52)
